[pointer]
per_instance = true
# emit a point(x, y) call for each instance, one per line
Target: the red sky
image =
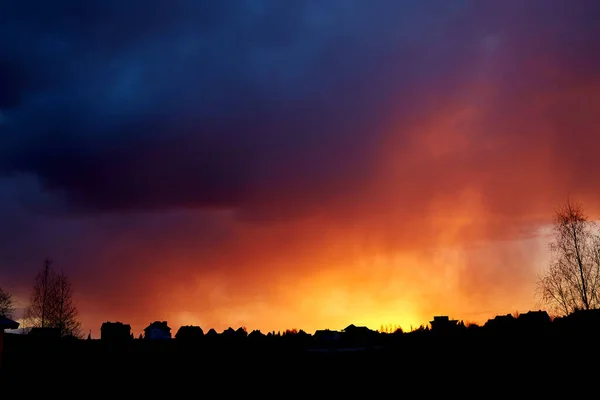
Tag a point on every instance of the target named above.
point(428, 194)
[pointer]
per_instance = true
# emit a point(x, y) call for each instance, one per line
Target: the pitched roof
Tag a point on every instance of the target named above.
point(212, 332)
point(113, 325)
point(353, 327)
point(189, 330)
point(160, 325)
point(6, 323)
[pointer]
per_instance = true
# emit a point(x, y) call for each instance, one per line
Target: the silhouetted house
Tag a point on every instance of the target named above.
point(212, 333)
point(443, 324)
point(357, 329)
point(229, 333)
point(114, 331)
point(534, 321)
point(326, 336)
point(189, 333)
point(301, 333)
point(354, 333)
point(241, 333)
point(158, 330)
point(501, 324)
point(6, 323)
point(256, 334)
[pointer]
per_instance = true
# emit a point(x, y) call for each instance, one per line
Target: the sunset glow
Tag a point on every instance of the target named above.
point(307, 166)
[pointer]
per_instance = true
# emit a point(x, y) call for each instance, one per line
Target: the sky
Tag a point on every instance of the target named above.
point(293, 164)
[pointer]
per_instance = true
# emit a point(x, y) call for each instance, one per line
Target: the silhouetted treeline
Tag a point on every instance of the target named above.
point(505, 348)
point(117, 336)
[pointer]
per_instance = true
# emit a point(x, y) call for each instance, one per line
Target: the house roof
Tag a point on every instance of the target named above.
point(534, 314)
point(190, 330)
point(326, 332)
point(158, 324)
point(212, 331)
point(353, 327)
point(113, 325)
point(6, 323)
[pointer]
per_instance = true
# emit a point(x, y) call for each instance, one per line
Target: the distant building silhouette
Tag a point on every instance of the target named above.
point(534, 320)
point(358, 333)
point(443, 324)
point(327, 335)
point(212, 333)
point(501, 323)
point(115, 331)
point(241, 333)
point(6, 323)
point(189, 332)
point(353, 329)
point(230, 333)
point(256, 334)
point(158, 330)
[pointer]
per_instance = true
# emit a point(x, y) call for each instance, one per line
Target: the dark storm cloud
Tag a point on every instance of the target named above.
point(398, 127)
point(125, 105)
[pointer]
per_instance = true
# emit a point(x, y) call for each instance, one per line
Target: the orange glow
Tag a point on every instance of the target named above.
point(447, 221)
point(441, 230)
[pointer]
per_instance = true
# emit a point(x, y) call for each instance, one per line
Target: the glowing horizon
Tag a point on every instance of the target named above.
point(302, 166)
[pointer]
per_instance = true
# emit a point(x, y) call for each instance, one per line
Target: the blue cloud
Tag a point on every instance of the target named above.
point(137, 104)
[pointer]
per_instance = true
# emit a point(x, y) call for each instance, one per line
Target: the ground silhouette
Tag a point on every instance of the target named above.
point(505, 350)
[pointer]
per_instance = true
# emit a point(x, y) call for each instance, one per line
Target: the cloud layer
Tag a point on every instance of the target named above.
point(278, 164)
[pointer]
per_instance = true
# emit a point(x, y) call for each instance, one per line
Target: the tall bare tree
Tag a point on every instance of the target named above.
point(7, 305)
point(65, 315)
point(39, 309)
point(572, 280)
point(51, 304)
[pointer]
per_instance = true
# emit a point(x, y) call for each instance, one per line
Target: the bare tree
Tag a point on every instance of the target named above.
point(51, 304)
point(572, 280)
point(7, 306)
point(65, 315)
point(39, 308)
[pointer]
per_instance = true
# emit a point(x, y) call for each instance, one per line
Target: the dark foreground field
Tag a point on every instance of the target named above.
point(519, 367)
